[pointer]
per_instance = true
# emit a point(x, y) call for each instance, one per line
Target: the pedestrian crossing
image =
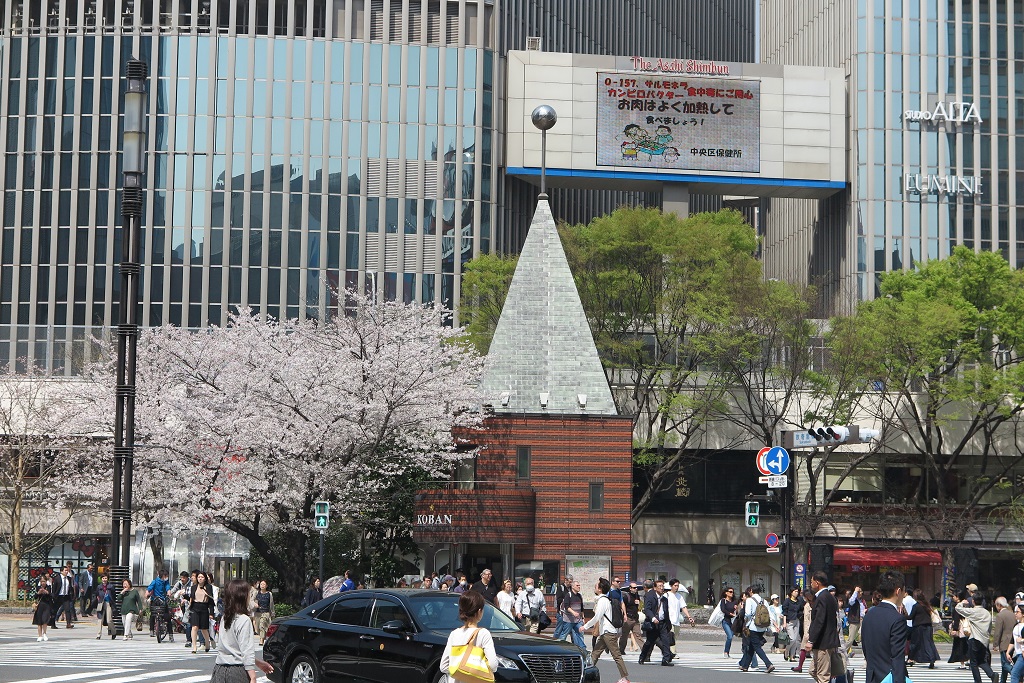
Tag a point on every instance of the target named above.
point(85, 660)
point(82, 653)
point(124, 676)
point(942, 673)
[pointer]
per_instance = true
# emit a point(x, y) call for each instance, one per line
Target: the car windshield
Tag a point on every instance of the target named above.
point(441, 613)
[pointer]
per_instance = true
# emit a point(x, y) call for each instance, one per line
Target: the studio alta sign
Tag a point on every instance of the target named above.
point(680, 66)
point(948, 112)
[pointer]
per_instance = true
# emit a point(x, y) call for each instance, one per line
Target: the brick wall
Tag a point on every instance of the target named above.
point(568, 452)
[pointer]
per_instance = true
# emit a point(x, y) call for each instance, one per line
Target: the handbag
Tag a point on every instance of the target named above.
point(468, 662)
point(717, 617)
point(936, 619)
point(543, 621)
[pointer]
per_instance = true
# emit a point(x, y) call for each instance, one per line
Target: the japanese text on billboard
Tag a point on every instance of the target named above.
point(708, 124)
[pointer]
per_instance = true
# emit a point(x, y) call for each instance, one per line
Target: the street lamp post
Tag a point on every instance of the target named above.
point(544, 118)
point(132, 166)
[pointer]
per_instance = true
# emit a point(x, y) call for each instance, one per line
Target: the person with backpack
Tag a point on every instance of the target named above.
point(605, 618)
point(529, 605)
point(757, 621)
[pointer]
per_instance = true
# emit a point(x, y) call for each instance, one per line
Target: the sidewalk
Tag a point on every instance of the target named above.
point(20, 626)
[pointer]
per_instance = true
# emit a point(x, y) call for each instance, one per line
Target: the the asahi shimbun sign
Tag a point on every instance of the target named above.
point(958, 113)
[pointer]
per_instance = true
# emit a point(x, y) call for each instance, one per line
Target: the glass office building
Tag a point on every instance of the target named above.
point(936, 116)
point(295, 147)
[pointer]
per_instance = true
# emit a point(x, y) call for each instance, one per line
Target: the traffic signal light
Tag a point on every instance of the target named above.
point(753, 512)
point(832, 434)
point(321, 515)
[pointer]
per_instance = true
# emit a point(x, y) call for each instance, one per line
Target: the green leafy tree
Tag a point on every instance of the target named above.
point(940, 371)
point(661, 294)
point(485, 283)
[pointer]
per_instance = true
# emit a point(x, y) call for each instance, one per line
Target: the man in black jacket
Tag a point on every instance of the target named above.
point(823, 633)
point(657, 625)
point(487, 586)
point(883, 633)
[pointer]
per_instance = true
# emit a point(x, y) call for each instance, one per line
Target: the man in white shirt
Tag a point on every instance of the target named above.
point(608, 633)
point(529, 604)
point(677, 604)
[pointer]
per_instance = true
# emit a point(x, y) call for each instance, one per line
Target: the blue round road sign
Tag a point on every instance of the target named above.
point(772, 540)
point(777, 460)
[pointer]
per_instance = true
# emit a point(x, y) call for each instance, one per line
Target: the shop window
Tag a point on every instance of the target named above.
point(523, 456)
point(596, 496)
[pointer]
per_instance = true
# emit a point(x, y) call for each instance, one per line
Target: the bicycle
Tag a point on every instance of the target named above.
point(159, 608)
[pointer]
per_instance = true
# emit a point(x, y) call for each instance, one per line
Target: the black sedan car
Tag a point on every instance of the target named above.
point(398, 636)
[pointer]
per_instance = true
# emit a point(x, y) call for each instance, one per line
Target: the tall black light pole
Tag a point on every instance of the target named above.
point(132, 166)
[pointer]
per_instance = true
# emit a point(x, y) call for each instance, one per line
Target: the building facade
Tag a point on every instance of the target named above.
point(934, 145)
point(295, 147)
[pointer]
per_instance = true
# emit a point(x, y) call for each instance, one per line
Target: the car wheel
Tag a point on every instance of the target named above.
point(303, 670)
point(442, 677)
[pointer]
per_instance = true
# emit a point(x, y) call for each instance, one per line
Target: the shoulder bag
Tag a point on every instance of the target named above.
point(469, 663)
point(936, 619)
point(717, 616)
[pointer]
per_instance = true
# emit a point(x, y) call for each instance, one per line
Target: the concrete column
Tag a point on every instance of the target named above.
point(675, 198)
point(704, 554)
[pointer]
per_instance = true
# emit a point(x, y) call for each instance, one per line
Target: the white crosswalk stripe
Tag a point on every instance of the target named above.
point(83, 654)
point(103, 676)
point(942, 673)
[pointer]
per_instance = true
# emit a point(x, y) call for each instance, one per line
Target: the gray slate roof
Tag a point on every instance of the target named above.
point(543, 342)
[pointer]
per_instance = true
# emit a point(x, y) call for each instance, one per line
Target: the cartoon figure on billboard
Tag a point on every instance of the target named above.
point(636, 140)
point(663, 135)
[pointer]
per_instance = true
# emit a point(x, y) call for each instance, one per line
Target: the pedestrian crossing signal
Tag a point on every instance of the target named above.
point(753, 512)
point(321, 514)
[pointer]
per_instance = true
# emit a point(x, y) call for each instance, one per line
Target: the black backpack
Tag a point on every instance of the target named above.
point(616, 611)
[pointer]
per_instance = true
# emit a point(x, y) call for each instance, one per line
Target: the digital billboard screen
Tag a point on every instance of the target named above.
point(678, 123)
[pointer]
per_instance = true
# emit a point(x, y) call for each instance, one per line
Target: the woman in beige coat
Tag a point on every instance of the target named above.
point(808, 605)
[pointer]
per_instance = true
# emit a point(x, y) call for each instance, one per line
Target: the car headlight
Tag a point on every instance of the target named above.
point(506, 663)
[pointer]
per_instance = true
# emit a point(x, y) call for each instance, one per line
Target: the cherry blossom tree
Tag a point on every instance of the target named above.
point(247, 425)
point(50, 464)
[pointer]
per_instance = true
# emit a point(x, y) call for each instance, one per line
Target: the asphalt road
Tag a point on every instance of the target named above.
point(75, 656)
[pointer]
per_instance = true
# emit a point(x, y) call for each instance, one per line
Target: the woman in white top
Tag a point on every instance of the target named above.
point(775, 612)
point(608, 633)
point(236, 648)
point(471, 608)
point(1015, 652)
point(506, 598)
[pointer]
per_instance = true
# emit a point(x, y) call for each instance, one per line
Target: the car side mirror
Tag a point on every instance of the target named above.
point(396, 626)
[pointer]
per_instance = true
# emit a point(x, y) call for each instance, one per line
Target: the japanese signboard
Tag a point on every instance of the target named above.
point(677, 123)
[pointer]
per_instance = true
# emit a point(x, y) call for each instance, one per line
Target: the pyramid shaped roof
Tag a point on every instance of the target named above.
point(543, 343)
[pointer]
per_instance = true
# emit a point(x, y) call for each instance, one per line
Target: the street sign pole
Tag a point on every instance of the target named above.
point(321, 558)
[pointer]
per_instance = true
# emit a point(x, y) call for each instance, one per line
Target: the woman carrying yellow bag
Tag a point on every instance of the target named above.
point(469, 656)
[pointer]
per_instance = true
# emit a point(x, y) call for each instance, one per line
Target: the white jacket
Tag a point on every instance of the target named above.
point(602, 616)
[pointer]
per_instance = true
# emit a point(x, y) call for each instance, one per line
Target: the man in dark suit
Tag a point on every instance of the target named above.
point(823, 633)
point(883, 633)
point(657, 625)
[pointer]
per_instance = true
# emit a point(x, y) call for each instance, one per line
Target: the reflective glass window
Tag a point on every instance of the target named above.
point(298, 100)
point(316, 101)
point(279, 101)
point(394, 104)
point(412, 71)
point(376, 63)
point(355, 63)
point(412, 105)
point(433, 59)
point(337, 70)
point(373, 97)
point(355, 102)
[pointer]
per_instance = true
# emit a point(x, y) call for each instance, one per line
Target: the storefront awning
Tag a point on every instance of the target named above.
point(868, 556)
